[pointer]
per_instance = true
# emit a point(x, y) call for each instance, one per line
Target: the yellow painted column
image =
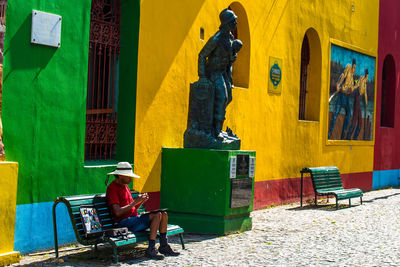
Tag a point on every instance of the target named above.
point(8, 193)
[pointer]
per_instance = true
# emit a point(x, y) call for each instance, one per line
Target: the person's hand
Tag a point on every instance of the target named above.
point(145, 197)
point(138, 199)
point(142, 198)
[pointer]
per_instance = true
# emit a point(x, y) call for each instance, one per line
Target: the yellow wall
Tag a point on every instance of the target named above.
point(169, 44)
point(8, 192)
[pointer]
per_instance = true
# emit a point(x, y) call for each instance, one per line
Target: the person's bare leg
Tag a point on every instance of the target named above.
point(151, 252)
point(163, 222)
point(155, 219)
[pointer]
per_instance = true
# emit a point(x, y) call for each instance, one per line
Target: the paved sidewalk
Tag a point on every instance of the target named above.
point(363, 235)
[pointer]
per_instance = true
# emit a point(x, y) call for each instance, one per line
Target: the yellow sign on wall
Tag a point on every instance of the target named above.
point(275, 75)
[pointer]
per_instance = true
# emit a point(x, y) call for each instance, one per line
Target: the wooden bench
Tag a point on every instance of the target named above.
point(326, 181)
point(73, 204)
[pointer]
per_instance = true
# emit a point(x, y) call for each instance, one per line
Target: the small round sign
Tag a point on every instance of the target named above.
point(275, 74)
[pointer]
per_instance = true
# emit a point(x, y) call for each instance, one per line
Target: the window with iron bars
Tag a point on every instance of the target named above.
point(102, 90)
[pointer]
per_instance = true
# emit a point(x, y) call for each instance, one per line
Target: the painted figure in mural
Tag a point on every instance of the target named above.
point(124, 210)
point(210, 96)
point(359, 90)
point(344, 87)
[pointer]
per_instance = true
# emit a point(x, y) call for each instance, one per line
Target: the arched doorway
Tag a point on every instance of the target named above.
point(388, 92)
point(310, 77)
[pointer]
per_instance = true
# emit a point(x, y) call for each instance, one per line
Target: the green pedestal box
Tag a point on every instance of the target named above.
point(208, 191)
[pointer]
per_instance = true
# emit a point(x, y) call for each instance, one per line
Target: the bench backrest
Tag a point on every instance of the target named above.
point(73, 204)
point(325, 178)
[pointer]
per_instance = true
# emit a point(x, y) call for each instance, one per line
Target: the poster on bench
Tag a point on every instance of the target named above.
point(90, 219)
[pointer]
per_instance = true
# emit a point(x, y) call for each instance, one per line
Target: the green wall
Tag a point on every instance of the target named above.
point(44, 100)
point(196, 188)
point(130, 14)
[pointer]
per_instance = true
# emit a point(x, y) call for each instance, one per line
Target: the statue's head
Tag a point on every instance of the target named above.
point(228, 19)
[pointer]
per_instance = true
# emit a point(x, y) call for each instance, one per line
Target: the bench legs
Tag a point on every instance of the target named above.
point(181, 237)
point(337, 202)
point(55, 228)
point(115, 249)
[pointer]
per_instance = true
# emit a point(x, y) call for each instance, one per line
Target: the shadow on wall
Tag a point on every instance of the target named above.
point(166, 51)
point(153, 178)
point(34, 56)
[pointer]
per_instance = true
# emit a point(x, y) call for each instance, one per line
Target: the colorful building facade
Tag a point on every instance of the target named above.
point(266, 122)
point(44, 114)
point(45, 97)
point(387, 155)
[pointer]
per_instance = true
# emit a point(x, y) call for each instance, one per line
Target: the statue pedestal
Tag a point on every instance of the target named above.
point(201, 196)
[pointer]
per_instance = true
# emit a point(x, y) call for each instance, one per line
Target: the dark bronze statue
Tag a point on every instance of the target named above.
point(212, 93)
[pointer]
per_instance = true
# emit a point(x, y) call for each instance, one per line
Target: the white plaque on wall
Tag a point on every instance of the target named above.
point(46, 29)
point(232, 168)
point(252, 167)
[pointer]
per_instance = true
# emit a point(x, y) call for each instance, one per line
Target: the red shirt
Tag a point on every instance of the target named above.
point(121, 195)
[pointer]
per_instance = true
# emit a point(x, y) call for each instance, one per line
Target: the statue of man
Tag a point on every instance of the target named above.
point(215, 64)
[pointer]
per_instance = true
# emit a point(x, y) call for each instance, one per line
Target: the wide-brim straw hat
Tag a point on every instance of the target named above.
point(125, 169)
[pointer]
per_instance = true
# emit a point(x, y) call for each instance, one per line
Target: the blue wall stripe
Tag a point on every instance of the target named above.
point(34, 227)
point(386, 178)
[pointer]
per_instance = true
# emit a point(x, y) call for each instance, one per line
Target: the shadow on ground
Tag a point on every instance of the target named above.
point(384, 197)
point(324, 204)
point(87, 256)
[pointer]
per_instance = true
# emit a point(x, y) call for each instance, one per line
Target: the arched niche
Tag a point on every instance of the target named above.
point(388, 92)
point(310, 76)
point(241, 67)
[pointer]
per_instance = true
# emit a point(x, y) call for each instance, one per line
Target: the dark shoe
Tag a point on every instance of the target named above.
point(167, 251)
point(153, 254)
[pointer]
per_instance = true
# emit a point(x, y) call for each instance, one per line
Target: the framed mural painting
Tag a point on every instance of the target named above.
point(351, 95)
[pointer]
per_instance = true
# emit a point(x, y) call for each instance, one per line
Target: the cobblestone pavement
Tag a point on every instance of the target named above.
point(288, 235)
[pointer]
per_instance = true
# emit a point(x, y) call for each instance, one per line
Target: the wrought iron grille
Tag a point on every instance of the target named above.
point(102, 91)
point(3, 6)
point(305, 60)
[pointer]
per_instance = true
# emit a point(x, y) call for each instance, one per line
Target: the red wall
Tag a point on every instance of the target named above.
point(387, 140)
point(275, 192)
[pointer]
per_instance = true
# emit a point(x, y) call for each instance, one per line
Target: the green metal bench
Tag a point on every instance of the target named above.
point(73, 204)
point(326, 181)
